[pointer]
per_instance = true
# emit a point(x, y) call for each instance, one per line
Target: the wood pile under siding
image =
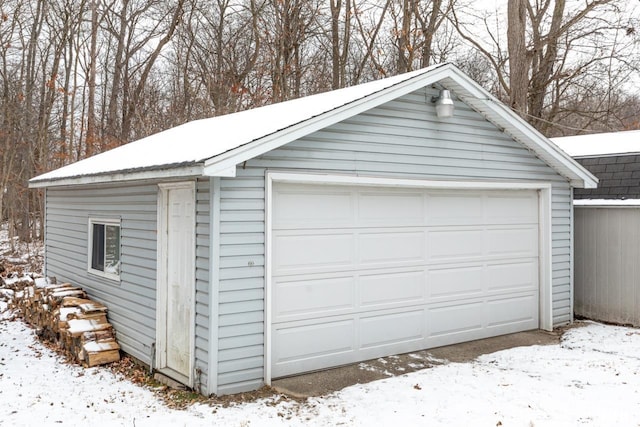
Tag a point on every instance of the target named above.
point(62, 313)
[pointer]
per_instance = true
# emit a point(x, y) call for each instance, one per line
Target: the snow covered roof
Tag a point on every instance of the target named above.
point(600, 144)
point(214, 146)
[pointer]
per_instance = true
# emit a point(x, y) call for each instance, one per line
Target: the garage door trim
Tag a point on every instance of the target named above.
point(544, 232)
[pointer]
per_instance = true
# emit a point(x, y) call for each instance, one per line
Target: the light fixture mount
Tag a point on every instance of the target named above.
point(444, 104)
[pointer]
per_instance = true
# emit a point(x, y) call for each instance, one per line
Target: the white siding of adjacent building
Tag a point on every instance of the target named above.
point(607, 275)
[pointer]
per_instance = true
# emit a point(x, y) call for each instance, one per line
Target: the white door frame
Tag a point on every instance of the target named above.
point(161, 293)
point(544, 224)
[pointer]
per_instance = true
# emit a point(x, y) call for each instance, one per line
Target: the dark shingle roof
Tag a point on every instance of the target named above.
point(619, 177)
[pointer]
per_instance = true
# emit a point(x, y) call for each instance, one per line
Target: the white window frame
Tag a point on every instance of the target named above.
point(105, 222)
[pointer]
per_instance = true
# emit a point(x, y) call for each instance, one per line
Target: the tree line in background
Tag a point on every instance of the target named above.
point(83, 76)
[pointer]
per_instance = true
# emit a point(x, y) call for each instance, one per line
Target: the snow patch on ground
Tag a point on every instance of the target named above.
point(591, 378)
point(416, 365)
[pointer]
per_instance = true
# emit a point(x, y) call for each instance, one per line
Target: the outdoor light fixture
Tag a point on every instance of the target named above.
point(444, 104)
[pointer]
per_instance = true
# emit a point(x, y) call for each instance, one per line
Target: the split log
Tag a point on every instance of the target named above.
point(100, 352)
point(78, 326)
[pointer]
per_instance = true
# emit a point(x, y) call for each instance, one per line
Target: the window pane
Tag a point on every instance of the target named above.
point(112, 250)
point(97, 247)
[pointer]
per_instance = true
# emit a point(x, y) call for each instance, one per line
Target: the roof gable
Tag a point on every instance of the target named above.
point(214, 146)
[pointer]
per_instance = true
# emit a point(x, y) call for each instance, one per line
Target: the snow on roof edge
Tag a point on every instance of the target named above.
point(186, 168)
point(600, 144)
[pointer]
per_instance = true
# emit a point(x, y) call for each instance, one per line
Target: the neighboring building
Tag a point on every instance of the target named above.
point(613, 157)
point(607, 227)
point(320, 231)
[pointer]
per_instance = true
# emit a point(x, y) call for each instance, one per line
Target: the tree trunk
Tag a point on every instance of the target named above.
point(335, 6)
point(518, 63)
point(404, 46)
point(91, 141)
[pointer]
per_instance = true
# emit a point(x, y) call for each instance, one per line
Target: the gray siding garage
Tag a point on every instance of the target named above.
point(338, 227)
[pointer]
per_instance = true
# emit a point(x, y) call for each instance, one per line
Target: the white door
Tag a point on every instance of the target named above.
point(363, 272)
point(176, 286)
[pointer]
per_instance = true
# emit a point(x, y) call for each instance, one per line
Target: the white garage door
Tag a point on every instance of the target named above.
point(363, 272)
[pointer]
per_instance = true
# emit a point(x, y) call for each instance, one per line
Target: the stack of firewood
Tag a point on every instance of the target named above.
point(62, 313)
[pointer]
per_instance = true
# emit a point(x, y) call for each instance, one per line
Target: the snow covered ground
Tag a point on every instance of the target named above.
point(592, 378)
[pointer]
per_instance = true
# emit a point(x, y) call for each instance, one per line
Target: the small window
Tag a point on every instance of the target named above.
point(104, 248)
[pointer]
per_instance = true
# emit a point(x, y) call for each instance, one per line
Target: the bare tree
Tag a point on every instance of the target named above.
point(416, 27)
point(141, 32)
point(554, 48)
point(341, 29)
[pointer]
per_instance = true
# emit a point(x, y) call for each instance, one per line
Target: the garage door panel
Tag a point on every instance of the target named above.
point(295, 343)
point(413, 269)
point(513, 311)
point(391, 247)
point(308, 252)
point(390, 329)
point(513, 242)
point(454, 209)
point(384, 208)
point(455, 318)
point(455, 244)
point(388, 289)
point(311, 297)
point(513, 277)
point(454, 282)
point(297, 207)
point(511, 208)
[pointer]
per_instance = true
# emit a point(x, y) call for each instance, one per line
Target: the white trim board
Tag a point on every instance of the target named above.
point(545, 231)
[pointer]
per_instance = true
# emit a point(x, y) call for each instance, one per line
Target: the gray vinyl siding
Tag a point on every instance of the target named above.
point(203, 243)
point(132, 301)
point(607, 275)
point(561, 254)
point(401, 139)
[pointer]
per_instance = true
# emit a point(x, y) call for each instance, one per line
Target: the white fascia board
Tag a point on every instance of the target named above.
point(228, 173)
point(183, 172)
point(530, 137)
point(216, 166)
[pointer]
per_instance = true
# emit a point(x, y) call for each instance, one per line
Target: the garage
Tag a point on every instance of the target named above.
point(362, 271)
point(332, 228)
